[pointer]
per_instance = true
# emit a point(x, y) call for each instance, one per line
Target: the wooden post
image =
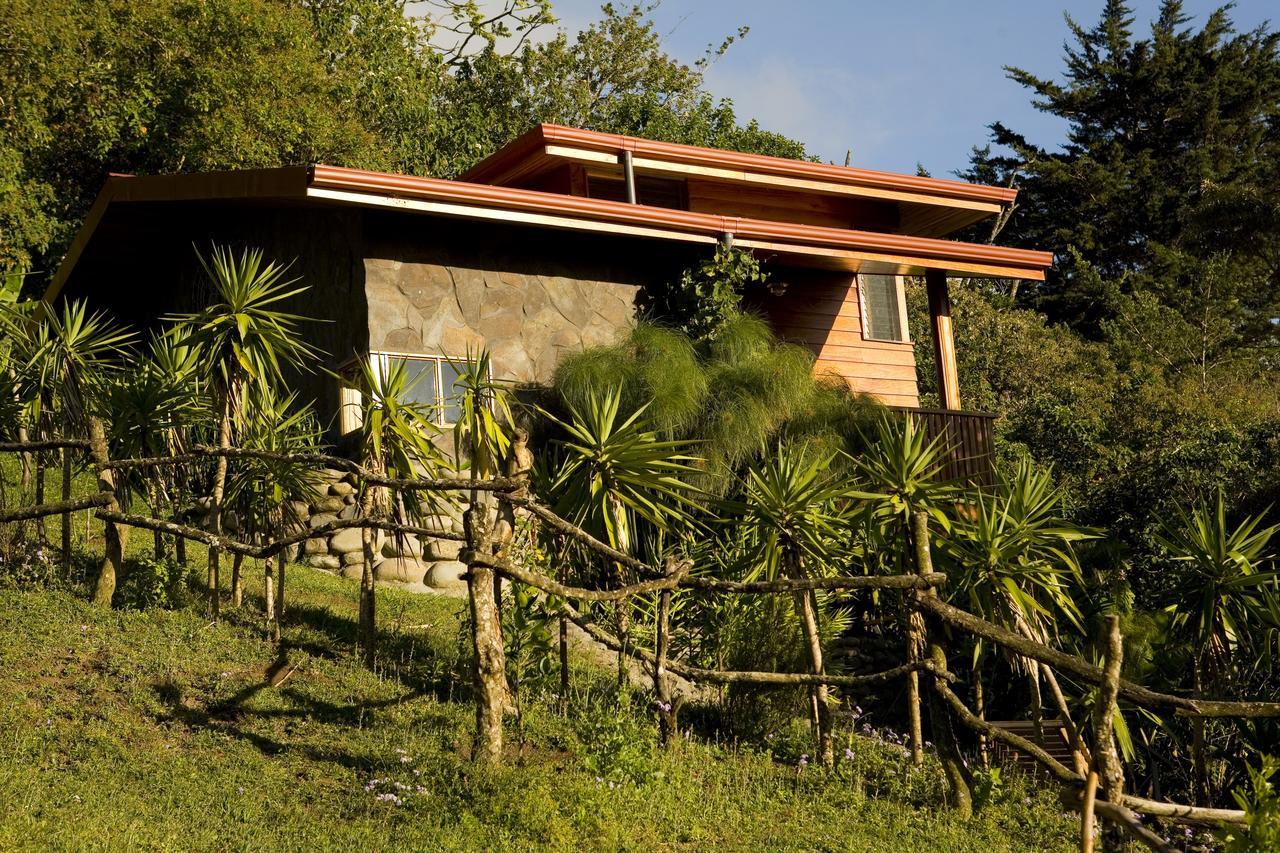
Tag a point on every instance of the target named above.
point(915, 653)
point(114, 535)
point(1105, 769)
point(944, 736)
point(661, 684)
point(486, 637)
point(944, 347)
point(66, 516)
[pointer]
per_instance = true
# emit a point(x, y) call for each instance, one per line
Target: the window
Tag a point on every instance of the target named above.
point(884, 307)
point(432, 382)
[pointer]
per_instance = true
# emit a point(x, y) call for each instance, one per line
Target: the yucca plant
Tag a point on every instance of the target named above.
point(246, 341)
point(261, 491)
point(617, 474)
point(69, 354)
point(396, 440)
point(1013, 563)
point(902, 470)
point(147, 407)
point(1226, 597)
point(794, 511)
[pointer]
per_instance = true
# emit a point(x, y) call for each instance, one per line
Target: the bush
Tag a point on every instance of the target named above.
point(151, 583)
point(25, 561)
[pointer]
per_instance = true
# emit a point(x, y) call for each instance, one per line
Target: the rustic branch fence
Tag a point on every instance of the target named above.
point(928, 616)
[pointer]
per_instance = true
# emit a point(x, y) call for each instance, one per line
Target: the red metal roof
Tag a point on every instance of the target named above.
point(535, 140)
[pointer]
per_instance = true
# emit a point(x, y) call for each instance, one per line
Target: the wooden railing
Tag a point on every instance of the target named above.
point(969, 438)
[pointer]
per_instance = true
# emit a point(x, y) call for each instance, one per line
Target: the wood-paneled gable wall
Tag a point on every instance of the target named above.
point(823, 313)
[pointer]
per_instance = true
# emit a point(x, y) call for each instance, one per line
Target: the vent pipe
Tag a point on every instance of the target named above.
point(629, 174)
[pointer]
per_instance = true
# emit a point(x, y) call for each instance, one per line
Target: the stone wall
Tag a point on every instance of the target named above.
point(530, 295)
point(416, 562)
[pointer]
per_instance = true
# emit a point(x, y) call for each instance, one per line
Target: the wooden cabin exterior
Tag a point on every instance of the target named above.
point(543, 247)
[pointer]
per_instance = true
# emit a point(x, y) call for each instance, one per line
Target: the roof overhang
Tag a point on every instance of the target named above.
point(808, 245)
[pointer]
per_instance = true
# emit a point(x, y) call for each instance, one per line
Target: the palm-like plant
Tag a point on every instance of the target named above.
point(901, 471)
point(1225, 599)
point(395, 440)
point(245, 340)
point(1013, 562)
point(68, 356)
point(483, 417)
point(794, 511)
point(617, 473)
point(261, 491)
point(147, 407)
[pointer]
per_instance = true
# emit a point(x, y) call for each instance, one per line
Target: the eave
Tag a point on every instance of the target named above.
point(811, 245)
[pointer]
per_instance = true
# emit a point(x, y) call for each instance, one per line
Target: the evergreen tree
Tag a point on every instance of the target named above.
point(1171, 169)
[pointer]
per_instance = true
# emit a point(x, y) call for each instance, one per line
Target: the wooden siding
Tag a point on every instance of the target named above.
point(822, 312)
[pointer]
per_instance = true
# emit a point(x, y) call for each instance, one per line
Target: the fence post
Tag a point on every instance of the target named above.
point(1106, 769)
point(944, 736)
point(114, 535)
point(486, 637)
point(661, 684)
point(915, 652)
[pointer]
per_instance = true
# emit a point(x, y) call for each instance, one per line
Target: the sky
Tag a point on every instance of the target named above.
point(897, 82)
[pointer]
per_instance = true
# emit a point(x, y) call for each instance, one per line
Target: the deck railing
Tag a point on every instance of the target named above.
point(969, 438)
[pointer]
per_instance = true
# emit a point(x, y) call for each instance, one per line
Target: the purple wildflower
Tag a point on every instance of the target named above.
point(804, 760)
point(848, 754)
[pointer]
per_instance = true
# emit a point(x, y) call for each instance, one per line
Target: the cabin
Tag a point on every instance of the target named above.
point(542, 249)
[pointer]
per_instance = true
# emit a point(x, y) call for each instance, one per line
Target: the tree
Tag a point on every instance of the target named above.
point(246, 344)
point(1170, 159)
point(794, 512)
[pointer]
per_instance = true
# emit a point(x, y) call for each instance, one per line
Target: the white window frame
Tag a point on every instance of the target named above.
point(350, 411)
point(865, 315)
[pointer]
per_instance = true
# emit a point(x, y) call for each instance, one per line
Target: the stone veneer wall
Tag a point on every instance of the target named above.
point(530, 295)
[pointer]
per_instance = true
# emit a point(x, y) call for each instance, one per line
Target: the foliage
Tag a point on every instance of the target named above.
point(151, 582)
point(617, 474)
point(706, 296)
point(617, 748)
point(1224, 600)
point(162, 86)
point(484, 416)
point(1128, 206)
point(1012, 556)
point(396, 432)
point(1261, 806)
point(261, 490)
point(241, 336)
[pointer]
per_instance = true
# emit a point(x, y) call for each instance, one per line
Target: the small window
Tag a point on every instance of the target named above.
point(884, 308)
point(432, 382)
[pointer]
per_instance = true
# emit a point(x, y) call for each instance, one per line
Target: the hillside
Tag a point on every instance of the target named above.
point(158, 730)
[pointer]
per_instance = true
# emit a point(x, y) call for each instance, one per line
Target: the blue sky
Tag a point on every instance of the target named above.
point(897, 82)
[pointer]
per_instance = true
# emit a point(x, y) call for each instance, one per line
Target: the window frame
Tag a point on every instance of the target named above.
point(348, 396)
point(864, 314)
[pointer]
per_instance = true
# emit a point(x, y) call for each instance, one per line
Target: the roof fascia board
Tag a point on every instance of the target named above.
point(695, 155)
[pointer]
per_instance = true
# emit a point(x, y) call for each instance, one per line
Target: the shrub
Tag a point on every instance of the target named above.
point(152, 583)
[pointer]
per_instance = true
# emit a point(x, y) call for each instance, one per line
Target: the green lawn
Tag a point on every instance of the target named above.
point(157, 730)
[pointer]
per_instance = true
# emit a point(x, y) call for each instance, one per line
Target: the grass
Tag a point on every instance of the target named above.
point(158, 730)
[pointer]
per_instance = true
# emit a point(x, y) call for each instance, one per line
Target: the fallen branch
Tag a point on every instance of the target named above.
point(1069, 663)
point(41, 510)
